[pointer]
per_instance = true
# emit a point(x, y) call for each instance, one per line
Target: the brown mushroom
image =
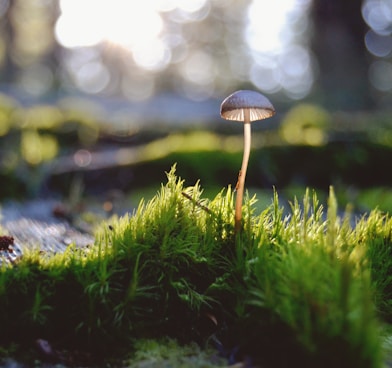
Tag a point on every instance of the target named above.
point(245, 106)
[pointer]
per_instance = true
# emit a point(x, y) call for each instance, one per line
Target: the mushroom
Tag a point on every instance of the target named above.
point(245, 106)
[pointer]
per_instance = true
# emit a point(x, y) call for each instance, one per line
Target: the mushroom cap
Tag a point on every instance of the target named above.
point(233, 107)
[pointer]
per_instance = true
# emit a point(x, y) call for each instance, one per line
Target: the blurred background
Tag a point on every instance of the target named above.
point(98, 98)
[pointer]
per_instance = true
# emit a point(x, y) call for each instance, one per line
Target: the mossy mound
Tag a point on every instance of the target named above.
point(299, 285)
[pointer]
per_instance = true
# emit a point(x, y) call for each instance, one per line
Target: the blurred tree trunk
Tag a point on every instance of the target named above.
point(338, 43)
point(8, 68)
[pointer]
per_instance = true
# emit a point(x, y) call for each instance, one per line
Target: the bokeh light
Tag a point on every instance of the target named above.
point(380, 75)
point(134, 25)
point(281, 58)
point(378, 15)
point(378, 45)
point(378, 41)
point(181, 41)
point(91, 22)
point(82, 158)
point(196, 48)
point(36, 79)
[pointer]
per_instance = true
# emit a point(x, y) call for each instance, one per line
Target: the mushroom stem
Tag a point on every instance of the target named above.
point(245, 106)
point(242, 174)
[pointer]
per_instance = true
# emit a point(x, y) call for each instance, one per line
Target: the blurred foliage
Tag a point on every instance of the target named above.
point(306, 124)
point(311, 147)
point(37, 148)
point(379, 197)
point(8, 107)
point(42, 117)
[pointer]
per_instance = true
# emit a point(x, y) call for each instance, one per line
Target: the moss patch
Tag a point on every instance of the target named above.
point(302, 280)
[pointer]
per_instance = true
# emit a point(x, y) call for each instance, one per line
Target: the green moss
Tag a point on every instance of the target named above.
point(299, 280)
point(168, 353)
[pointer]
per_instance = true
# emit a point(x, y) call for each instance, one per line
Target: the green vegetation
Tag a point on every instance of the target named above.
point(172, 284)
point(296, 284)
point(168, 353)
point(37, 142)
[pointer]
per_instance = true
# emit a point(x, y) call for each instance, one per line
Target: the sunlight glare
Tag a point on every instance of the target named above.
point(152, 35)
point(89, 22)
point(133, 25)
point(267, 20)
point(92, 77)
point(76, 26)
point(153, 56)
point(165, 5)
point(273, 34)
point(191, 6)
